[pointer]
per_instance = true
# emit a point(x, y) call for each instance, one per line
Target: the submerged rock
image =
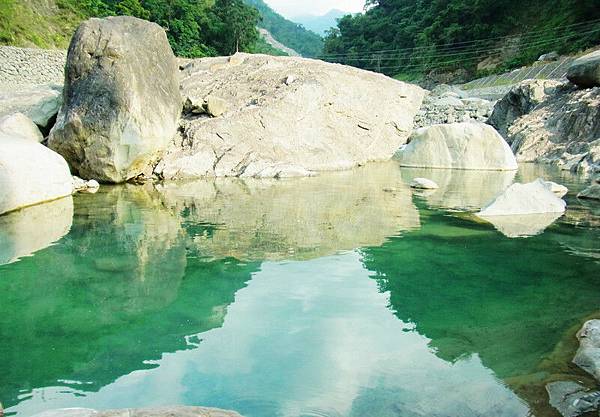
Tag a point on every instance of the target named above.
point(459, 146)
point(519, 199)
point(592, 192)
point(585, 70)
point(21, 125)
point(122, 99)
point(423, 183)
point(142, 412)
point(30, 173)
point(318, 122)
point(588, 354)
point(39, 103)
point(572, 399)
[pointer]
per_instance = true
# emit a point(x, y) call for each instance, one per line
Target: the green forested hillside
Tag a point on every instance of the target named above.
point(290, 34)
point(411, 38)
point(195, 28)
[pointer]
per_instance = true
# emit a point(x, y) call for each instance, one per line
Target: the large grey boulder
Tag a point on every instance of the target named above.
point(458, 146)
point(122, 99)
point(30, 173)
point(588, 354)
point(585, 70)
point(286, 116)
point(572, 399)
point(40, 103)
point(520, 100)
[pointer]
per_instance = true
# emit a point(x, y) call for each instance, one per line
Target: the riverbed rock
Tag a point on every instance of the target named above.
point(520, 100)
point(423, 183)
point(84, 186)
point(558, 189)
point(20, 125)
point(585, 70)
point(588, 354)
point(592, 192)
point(141, 412)
point(30, 173)
point(458, 146)
point(270, 129)
point(518, 199)
point(563, 129)
point(572, 399)
point(122, 99)
point(39, 103)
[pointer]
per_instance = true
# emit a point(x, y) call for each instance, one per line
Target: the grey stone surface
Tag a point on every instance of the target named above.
point(585, 70)
point(572, 399)
point(38, 102)
point(121, 99)
point(588, 354)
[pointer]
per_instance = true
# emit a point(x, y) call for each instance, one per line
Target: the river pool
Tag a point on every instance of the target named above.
point(341, 295)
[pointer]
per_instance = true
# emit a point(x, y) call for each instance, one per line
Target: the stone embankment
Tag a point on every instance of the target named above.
point(27, 66)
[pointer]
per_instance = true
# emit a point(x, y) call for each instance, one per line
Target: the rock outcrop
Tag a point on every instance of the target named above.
point(20, 125)
point(588, 354)
point(30, 173)
point(520, 100)
point(592, 192)
point(458, 146)
point(287, 116)
point(122, 99)
point(562, 129)
point(519, 199)
point(585, 70)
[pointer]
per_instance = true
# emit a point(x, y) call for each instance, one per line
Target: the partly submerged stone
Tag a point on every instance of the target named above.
point(85, 186)
point(39, 103)
point(522, 199)
point(20, 125)
point(592, 192)
point(423, 183)
point(572, 399)
point(585, 70)
point(458, 146)
point(588, 354)
point(30, 173)
point(122, 99)
point(331, 117)
point(558, 189)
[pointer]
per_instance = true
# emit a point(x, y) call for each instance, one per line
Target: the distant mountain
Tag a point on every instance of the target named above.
point(320, 24)
point(290, 34)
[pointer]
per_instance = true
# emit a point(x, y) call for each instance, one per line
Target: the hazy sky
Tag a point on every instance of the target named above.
point(291, 8)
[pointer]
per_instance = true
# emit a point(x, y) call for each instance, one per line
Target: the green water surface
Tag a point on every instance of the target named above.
point(345, 295)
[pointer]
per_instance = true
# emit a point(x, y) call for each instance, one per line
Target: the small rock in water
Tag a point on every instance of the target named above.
point(588, 354)
point(424, 184)
point(558, 189)
point(572, 399)
point(592, 192)
point(83, 186)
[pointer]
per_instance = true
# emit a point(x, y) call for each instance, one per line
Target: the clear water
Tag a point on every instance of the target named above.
point(342, 295)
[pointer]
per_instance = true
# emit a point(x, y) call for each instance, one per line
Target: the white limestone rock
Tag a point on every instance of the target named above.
point(21, 125)
point(424, 184)
point(458, 146)
point(588, 354)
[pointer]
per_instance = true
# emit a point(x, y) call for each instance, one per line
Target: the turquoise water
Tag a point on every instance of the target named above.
point(342, 295)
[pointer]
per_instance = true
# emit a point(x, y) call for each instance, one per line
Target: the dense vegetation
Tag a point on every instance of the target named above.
point(291, 34)
point(411, 38)
point(195, 28)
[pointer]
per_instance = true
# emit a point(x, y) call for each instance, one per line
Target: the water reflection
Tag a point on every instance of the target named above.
point(522, 225)
point(324, 296)
point(31, 229)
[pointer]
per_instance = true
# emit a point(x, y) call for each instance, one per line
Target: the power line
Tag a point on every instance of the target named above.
point(458, 45)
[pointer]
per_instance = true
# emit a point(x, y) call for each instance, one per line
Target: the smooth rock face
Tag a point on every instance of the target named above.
point(423, 183)
point(518, 199)
point(30, 173)
point(142, 412)
point(572, 399)
point(31, 229)
point(458, 146)
point(331, 117)
point(520, 100)
point(588, 354)
point(585, 71)
point(592, 192)
point(20, 125)
point(563, 129)
point(122, 99)
point(39, 103)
